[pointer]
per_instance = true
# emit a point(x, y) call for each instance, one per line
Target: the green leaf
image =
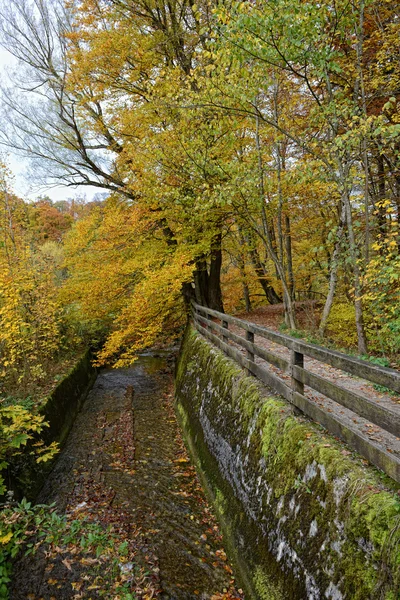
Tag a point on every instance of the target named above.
point(19, 440)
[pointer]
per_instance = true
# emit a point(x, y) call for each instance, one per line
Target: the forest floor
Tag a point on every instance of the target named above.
point(271, 317)
point(125, 467)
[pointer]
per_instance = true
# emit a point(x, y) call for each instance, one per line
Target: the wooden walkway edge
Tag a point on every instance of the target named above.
point(340, 425)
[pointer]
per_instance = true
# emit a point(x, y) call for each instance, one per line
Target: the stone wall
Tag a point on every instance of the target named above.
point(59, 410)
point(303, 516)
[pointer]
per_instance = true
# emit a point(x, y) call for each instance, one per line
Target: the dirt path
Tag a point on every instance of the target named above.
point(125, 464)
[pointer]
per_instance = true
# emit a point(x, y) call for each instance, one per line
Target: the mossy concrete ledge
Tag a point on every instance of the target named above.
point(59, 409)
point(303, 517)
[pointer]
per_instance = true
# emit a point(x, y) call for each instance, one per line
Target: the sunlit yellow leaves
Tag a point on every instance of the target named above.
point(6, 538)
point(30, 313)
point(17, 427)
point(137, 289)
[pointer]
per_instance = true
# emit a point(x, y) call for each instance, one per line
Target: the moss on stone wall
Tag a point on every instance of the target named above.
point(305, 517)
point(63, 404)
point(59, 410)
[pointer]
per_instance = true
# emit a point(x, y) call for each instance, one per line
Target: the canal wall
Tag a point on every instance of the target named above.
point(303, 517)
point(26, 476)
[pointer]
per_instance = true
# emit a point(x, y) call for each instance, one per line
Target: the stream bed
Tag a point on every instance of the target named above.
point(125, 463)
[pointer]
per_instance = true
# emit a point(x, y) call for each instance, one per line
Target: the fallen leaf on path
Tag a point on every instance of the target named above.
point(67, 563)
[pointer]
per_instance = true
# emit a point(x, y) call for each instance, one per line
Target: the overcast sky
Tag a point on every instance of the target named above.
point(28, 189)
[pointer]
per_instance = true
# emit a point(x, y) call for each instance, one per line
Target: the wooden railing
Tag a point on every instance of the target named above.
point(386, 455)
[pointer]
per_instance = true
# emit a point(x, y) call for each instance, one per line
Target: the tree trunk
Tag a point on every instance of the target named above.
point(246, 295)
point(333, 269)
point(188, 292)
point(381, 216)
point(261, 272)
point(242, 268)
point(201, 282)
point(359, 93)
point(289, 259)
point(361, 338)
point(269, 291)
point(208, 280)
point(214, 279)
point(290, 316)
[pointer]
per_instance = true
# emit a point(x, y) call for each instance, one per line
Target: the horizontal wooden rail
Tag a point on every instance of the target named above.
point(365, 407)
point(251, 347)
point(385, 416)
point(361, 368)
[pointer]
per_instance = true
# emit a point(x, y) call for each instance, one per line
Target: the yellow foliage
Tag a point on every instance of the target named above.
point(17, 427)
point(341, 325)
point(29, 316)
point(125, 274)
point(382, 292)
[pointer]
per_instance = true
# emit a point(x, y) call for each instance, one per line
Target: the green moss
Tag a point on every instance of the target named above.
point(183, 419)
point(219, 501)
point(265, 588)
point(59, 410)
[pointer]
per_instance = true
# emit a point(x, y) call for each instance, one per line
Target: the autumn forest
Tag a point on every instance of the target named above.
point(245, 153)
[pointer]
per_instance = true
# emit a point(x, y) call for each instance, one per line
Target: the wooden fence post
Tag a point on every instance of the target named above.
point(250, 338)
point(225, 325)
point(296, 360)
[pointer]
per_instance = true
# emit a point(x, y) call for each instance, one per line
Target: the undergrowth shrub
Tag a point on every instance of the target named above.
point(98, 552)
point(341, 325)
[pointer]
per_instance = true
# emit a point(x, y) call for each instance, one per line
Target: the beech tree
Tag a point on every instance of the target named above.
point(92, 108)
point(257, 138)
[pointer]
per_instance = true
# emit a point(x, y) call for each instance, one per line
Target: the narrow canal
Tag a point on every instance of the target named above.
point(125, 461)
